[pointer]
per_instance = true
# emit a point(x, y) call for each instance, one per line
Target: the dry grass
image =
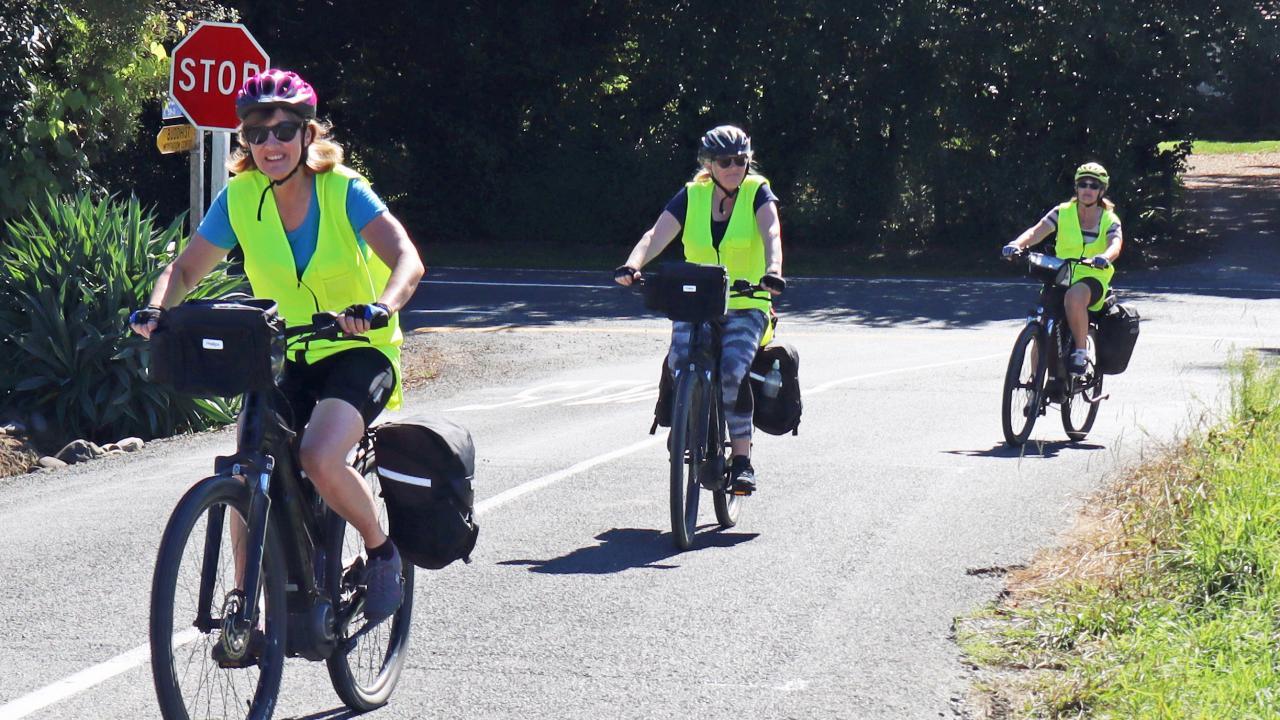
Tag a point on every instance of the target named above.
point(17, 456)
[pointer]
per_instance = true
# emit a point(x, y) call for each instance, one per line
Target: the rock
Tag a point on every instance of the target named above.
point(14, 428)
point(79, 451)
point(52, 463)
point(130, 444)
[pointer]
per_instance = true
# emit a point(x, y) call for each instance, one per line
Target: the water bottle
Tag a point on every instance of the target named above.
point(773, 382)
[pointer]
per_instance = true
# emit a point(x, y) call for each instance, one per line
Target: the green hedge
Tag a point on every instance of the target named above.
point(71, 270)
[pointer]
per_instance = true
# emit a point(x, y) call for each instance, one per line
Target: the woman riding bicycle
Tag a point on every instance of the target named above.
point(1088, 230)
point(315, 239)
point(726, 215)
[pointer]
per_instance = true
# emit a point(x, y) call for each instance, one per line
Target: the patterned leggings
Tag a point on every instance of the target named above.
point(740, 333)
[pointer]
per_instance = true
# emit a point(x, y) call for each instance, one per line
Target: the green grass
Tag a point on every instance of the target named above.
point(1186, 623)
point(1214, 147)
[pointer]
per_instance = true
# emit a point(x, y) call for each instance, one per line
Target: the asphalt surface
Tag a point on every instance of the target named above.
point(890, 513)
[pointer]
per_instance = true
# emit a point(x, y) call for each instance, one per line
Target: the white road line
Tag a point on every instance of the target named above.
point(89, 677)
point(817, 389)
point(85, 679)
point(523, 489)
point(454, 311)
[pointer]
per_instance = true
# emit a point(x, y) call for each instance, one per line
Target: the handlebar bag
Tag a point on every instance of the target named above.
point(1117, 335)
point(218, 348)
point(687, 292)
point(426, 466)
point(780, 414)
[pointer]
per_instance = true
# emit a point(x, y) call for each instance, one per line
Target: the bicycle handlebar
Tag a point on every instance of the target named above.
point(324, 326)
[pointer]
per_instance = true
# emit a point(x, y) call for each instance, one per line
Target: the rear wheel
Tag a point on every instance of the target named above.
point(194, 597)
point(727, 504)
point(687, 418)
point(364, 671)
point(1023, 385)
point(1080, 408)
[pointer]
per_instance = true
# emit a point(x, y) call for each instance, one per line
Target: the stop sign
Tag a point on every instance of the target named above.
point(207, 70)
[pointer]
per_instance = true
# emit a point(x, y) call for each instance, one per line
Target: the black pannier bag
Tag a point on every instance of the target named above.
point(218, 348)
point(425, 466)
point(687, 292)
point(666, 394)
point(778, 414)
point(1117, 334)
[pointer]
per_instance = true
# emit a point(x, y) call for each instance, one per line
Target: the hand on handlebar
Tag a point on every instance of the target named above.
point(360, 319)
point(774, 284)
point(1010, 251)
point(624, 275)
point(144, 321)
point(1100, 262)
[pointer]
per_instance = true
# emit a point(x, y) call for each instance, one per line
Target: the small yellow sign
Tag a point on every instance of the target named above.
point(176, 138)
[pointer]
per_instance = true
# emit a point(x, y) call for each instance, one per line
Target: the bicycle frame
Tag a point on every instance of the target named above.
point(264, 458)
point(1049, 314)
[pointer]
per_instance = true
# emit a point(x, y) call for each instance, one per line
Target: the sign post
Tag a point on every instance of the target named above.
point(208, 68)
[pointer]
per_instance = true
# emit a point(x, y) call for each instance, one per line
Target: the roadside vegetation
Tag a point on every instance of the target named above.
point(1213, 147)
point(1164, 603)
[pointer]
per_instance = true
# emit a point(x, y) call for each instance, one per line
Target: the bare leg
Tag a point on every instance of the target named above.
point(334, 429)
point(1077, 306)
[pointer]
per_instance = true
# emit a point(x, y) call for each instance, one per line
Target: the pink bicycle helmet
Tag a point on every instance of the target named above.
point(275, 88)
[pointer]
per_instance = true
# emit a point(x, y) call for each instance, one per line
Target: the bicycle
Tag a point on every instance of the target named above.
point(299, 592)
point(1037, 375)
point(699, 438)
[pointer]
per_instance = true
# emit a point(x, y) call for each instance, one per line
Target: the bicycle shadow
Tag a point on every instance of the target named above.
point(338, 713)
point(1032, 449)
point(628, 548)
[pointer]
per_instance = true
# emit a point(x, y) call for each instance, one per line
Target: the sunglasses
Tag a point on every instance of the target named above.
point(726, 162)
point(1083, 184)
point(257, 134)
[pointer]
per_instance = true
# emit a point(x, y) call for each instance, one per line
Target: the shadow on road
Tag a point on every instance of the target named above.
point(1032, 449)
point(626, 548)
point(338, 713)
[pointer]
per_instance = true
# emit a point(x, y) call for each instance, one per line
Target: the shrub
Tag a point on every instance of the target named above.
point(71, 270)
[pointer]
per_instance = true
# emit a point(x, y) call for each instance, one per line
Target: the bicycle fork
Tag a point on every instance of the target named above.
point(259, 510)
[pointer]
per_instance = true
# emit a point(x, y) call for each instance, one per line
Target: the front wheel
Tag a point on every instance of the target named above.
point(1023, 385)
point(1080, 408)
point(365, 671)
point(204, 665)
point(688, 417)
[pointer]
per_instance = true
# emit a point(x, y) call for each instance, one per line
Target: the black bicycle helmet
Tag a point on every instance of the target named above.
point(724, 140)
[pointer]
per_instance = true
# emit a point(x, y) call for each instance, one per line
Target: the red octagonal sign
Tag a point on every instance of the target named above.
point(207, 70)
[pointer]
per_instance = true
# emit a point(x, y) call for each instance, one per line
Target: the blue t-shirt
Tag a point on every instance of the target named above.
point(362, 207)
point(678, 206)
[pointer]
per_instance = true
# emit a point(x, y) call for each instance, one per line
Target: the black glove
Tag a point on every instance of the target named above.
point(624, 271)
point(773, 282)
point(377, 314)
point(146, 315)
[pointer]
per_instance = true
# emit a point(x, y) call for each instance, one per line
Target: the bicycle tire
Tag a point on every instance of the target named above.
point(1080, 408)
point(686, 456)
point(1029, 405)
point(728, 505)
point(361, 688)
point(225, 492)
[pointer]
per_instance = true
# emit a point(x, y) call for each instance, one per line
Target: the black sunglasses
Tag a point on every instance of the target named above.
point(726, 162)
point(257, 134)
point(1083, 184)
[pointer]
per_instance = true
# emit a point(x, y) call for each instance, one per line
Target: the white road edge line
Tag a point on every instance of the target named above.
point(87, 678)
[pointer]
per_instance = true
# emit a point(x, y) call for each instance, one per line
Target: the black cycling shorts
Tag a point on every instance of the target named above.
point(1095, 289)
point(362, 377)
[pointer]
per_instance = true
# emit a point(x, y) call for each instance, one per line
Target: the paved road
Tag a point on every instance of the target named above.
point(833, 598)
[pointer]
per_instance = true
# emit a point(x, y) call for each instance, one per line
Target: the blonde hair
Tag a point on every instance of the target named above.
point(1106, 202)
point(323, 154)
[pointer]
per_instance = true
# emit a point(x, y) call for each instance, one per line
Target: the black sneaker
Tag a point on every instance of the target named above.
point(239, 654)
point(1078, 363)
point(384, 587)
point(742, 477)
